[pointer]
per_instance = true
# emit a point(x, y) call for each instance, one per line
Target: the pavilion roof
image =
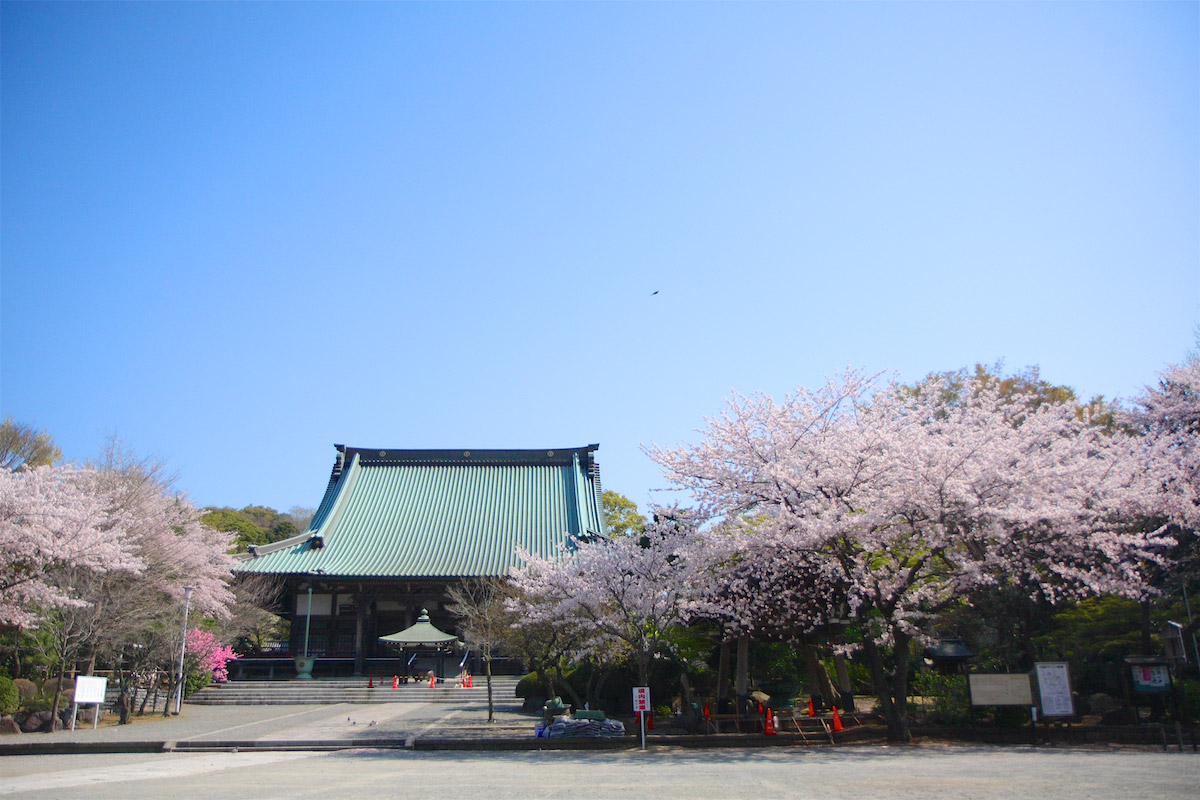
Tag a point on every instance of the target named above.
point(422, 632)
point(440, 513)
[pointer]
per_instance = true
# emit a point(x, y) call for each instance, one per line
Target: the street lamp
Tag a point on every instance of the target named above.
point(308, 617)
point(187, 601)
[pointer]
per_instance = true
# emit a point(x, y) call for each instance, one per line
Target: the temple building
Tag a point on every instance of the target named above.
point(397, 527)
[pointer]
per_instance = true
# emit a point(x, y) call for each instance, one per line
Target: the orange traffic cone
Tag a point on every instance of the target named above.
point(707, 714)
point(395, 682)
point(432, 681)
point(649, 720)
point(769, 725)
point(812, 709)
point(470, 681)
point(837, 721)
point(370, 683)
point(760, 707)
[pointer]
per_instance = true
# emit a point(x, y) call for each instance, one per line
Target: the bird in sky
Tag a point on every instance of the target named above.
point(654, 293)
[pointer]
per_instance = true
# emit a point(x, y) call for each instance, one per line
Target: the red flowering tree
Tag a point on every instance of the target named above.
point(207, 657)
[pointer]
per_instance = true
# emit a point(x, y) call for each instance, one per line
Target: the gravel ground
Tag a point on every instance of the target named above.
point(875, 772)
point(339, 721)
point(866, 771)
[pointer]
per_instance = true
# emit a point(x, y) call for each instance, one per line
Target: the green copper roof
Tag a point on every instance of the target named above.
point(441, 513)
point(423, 632)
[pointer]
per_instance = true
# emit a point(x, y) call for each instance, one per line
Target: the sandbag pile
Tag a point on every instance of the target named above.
point(570, 728)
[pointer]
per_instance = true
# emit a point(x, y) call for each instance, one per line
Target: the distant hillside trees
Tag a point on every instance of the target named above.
point(23, 446)
point(621, 515)
point(257, 525)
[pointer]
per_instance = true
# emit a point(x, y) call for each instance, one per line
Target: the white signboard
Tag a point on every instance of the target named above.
point(641, 698)
point(1000, 690)
point(1054, 688)
point(90, 689)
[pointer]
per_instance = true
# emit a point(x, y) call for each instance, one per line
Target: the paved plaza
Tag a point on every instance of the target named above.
point(856, 772)
point(822, 773)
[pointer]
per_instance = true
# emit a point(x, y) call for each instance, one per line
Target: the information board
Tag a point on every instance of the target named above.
point(90, 689)
point(1054, 688)
point(1000, 689)
point(1151, 678)
point(641, 698)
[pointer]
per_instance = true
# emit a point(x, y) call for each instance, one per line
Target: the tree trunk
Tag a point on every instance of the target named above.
point(826, 684)
point(815, 686)
point(62, 671)
point(689, 711)
point(895, 716)
point(722, 676)
point(1147, 643)
point(900, 677)
point(845, 689)
point(565, 687)
point(487, 666)
point(594, 691)
point(743, 674)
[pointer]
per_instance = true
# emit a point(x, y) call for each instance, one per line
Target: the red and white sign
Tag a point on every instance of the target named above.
point(641, 698)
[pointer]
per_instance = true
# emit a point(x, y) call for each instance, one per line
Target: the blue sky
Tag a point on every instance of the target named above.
point(238, 233)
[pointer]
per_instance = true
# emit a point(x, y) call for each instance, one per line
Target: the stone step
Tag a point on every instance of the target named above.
point(315, 692)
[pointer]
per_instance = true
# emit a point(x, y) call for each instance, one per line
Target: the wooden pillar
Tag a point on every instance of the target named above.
point(360, 615)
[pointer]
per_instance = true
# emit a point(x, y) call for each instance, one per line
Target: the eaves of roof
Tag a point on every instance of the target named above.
point(441, 513)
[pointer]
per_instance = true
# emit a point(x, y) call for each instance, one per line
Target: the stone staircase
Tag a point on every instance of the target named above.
point(351, 690)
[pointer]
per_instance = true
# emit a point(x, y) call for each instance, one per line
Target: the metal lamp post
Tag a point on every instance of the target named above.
point(308, 618)
point(187, 602)
point(304, 663)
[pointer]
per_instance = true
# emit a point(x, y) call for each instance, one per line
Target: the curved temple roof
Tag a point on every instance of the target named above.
point(441, 513)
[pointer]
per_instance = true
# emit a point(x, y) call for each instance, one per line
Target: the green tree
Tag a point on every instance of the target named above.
point(22, 446)
point(621, 515)
point(283, 531)
point(226, 519)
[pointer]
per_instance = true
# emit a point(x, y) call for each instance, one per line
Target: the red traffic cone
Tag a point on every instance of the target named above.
point(760, 707)
point(470, 681)
point(395, 682)
point(769, 725)
point(370, 683)
point(707, 714)
point(432, 681)
point(649, 720)
point(812, 709)
point(837, 721)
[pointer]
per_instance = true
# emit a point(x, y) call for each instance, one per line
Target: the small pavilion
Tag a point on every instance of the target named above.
point(396, 528)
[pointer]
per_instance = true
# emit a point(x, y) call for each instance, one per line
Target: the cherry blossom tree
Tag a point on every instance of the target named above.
point(911, 497)
point(479, 604)
point(56, 520)
point(1168, 417)
point(631, 590)
point(176, 549)
point(177, 552)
